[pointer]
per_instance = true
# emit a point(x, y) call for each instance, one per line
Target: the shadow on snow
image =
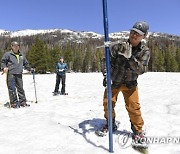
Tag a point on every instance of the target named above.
point(88, 126)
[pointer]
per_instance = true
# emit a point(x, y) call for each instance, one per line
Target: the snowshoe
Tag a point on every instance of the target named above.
point(11, 105)
point(139, 141)
point(59, 93)
point(63, 93)
point(56, 93)
point(141, 150)
point(24, 104)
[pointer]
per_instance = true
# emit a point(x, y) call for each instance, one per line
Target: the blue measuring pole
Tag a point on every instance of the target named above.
point(108, 69)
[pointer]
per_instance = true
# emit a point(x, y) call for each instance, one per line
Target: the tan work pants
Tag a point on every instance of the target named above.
point(132, 105)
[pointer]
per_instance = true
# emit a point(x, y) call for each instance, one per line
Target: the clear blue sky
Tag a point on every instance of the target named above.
point(86, 15)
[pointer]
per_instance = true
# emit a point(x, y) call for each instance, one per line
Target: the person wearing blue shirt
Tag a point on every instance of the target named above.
point(61, 68)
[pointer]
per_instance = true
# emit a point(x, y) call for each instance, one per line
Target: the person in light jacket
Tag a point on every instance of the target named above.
point(13, 63)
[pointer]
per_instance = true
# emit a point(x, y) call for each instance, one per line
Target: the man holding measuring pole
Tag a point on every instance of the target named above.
point(128, 60)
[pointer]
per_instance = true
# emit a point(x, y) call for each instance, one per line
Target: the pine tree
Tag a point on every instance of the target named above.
point(160, 61)
point(178, 58)
point(38, 57)
point(99, 56)
point(151, 47)
point(87, 61)
point(47, 59)
point(1, 54)
point(78, 61)
point(55, 54)
point(68, 55)
point(171, 63)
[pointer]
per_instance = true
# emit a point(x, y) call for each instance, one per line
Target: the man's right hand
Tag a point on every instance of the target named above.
point(5, 70)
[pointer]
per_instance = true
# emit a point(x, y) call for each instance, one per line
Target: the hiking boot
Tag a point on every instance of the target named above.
point(139, 140)
point(24, 104)
point(104, 129)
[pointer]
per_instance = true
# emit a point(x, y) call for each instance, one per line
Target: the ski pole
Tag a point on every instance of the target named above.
point(34, 85)
point(109, 92)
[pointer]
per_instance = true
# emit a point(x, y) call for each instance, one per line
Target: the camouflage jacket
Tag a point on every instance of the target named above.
point(126, 71)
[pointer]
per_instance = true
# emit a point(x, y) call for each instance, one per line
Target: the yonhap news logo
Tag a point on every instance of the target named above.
point(125, 140)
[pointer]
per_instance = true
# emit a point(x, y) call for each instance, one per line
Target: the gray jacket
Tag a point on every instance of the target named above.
point(10, 61)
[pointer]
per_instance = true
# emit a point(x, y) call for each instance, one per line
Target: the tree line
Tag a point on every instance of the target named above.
point(43, 54)
point(79, 58)
point(165, 54)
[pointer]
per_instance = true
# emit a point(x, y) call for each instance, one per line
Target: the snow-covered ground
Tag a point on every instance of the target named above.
point(66, 124)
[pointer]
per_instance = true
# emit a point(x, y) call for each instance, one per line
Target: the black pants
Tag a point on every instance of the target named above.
point(15, 85)
point(58, 79)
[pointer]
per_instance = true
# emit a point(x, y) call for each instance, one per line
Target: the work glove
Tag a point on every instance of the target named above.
point(124, 49)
